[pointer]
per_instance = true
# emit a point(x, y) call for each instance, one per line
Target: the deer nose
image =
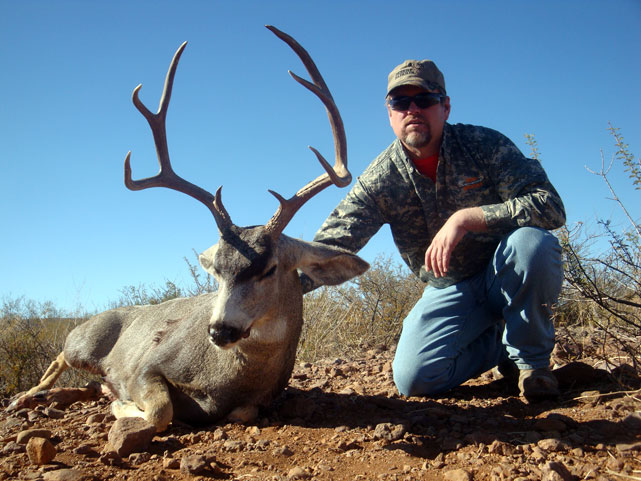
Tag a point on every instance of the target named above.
point(222, 335)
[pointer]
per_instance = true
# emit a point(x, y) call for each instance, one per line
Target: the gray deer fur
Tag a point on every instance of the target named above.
point(218, 355)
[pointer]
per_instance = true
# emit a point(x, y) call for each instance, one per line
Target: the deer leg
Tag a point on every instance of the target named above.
point(49, 378)
point(150, 401)
point(29, 398)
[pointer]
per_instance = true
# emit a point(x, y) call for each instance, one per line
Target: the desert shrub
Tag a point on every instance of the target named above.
point(32, 335)
point(200, 282)
point(142, 295)
point(366, 312)
point(603, 272)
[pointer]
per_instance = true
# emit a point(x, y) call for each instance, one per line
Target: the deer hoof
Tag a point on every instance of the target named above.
point(243, 414)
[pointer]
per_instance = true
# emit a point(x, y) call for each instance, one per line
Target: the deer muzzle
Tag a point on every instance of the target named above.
point(223, 335)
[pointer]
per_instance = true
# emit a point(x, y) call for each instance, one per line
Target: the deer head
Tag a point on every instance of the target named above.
point(256, 267)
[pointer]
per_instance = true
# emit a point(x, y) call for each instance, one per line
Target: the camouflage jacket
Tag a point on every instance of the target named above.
point(478, 167)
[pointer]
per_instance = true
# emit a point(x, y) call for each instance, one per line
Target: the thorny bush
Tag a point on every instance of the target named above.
point(603, 273)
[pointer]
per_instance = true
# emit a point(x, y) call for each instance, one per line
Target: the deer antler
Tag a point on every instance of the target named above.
point(167, 177)
point(338, 175)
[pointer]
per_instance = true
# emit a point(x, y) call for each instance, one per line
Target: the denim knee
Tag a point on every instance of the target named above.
point(525, 281)
point(411, 378)
point(535, 250)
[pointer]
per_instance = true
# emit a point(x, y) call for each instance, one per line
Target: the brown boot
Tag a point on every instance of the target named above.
point(506, 370)
point(538, 384)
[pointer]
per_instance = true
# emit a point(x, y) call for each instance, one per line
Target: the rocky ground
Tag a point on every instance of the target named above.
point(343, 420)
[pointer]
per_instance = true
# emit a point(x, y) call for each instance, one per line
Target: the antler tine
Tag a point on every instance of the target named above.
point(338, 175)
point(166, 177)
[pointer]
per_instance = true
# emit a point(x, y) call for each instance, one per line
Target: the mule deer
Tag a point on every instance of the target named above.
point(218, 355)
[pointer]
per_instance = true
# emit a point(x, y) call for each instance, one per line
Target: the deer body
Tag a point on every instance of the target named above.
point(164, 359)
point(223, 354)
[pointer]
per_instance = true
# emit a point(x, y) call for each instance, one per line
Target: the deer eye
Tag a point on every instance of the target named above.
point(269, 273)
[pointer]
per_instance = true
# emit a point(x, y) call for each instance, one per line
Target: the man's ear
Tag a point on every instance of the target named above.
point(447, 106)
point(327, 265)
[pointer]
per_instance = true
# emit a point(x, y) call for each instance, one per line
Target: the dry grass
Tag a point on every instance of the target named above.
point(369, 311)
point(32, 335)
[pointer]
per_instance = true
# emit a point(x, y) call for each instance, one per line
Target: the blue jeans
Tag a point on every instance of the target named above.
point(455, 333)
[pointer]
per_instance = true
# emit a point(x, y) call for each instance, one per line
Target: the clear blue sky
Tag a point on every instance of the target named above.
point(73, 234)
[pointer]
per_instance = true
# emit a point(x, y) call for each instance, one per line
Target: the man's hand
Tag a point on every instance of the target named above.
point(437, 256)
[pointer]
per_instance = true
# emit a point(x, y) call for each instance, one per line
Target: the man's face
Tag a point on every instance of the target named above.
point(420, 130)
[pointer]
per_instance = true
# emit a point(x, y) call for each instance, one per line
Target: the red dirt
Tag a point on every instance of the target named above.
point(343, 420)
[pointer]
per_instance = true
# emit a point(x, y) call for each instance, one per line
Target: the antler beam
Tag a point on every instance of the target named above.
point(338, 175)
point(166, 177)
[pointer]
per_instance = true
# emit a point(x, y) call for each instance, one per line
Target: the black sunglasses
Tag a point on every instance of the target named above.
point(422, 101)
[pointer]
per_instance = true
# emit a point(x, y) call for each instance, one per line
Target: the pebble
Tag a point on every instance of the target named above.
point(458, 475)
point(555, 471)
point(589, 397)
point(13, 447)
point(67, 475)
point(389, 431)
point(171, 463)
point(551, 445)
point(298, 473)
point(129, 435)
point(53, 413)
point(220, 434)
point(40, 451)
point(498, 447)
point(137, 459)
point(234, 446)
point(537, 454)
point(25, 436)
point(193, 464)
point(282, 451)
point(95, 419)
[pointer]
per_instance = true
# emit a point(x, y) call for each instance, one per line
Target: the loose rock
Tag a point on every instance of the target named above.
point(298, 473)
point(136, 459)
point(129, 435)
point(458, 475)
point(67, 475)
point(25, 436)
point(194, 464)
point(54, 413)
point(40, 451)
point(551, 445)
point(389, 431)
point(555, 471)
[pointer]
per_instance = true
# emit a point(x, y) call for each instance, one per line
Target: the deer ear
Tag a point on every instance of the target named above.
point(327, 265)
point(206, 259)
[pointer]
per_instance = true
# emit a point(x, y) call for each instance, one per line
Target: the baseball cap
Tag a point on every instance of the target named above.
point(422, 73)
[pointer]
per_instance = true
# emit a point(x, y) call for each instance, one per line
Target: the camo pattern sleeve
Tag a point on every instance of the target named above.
point(354, 221)
point(528, 197)
point(379, 196)
point(478, 167)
